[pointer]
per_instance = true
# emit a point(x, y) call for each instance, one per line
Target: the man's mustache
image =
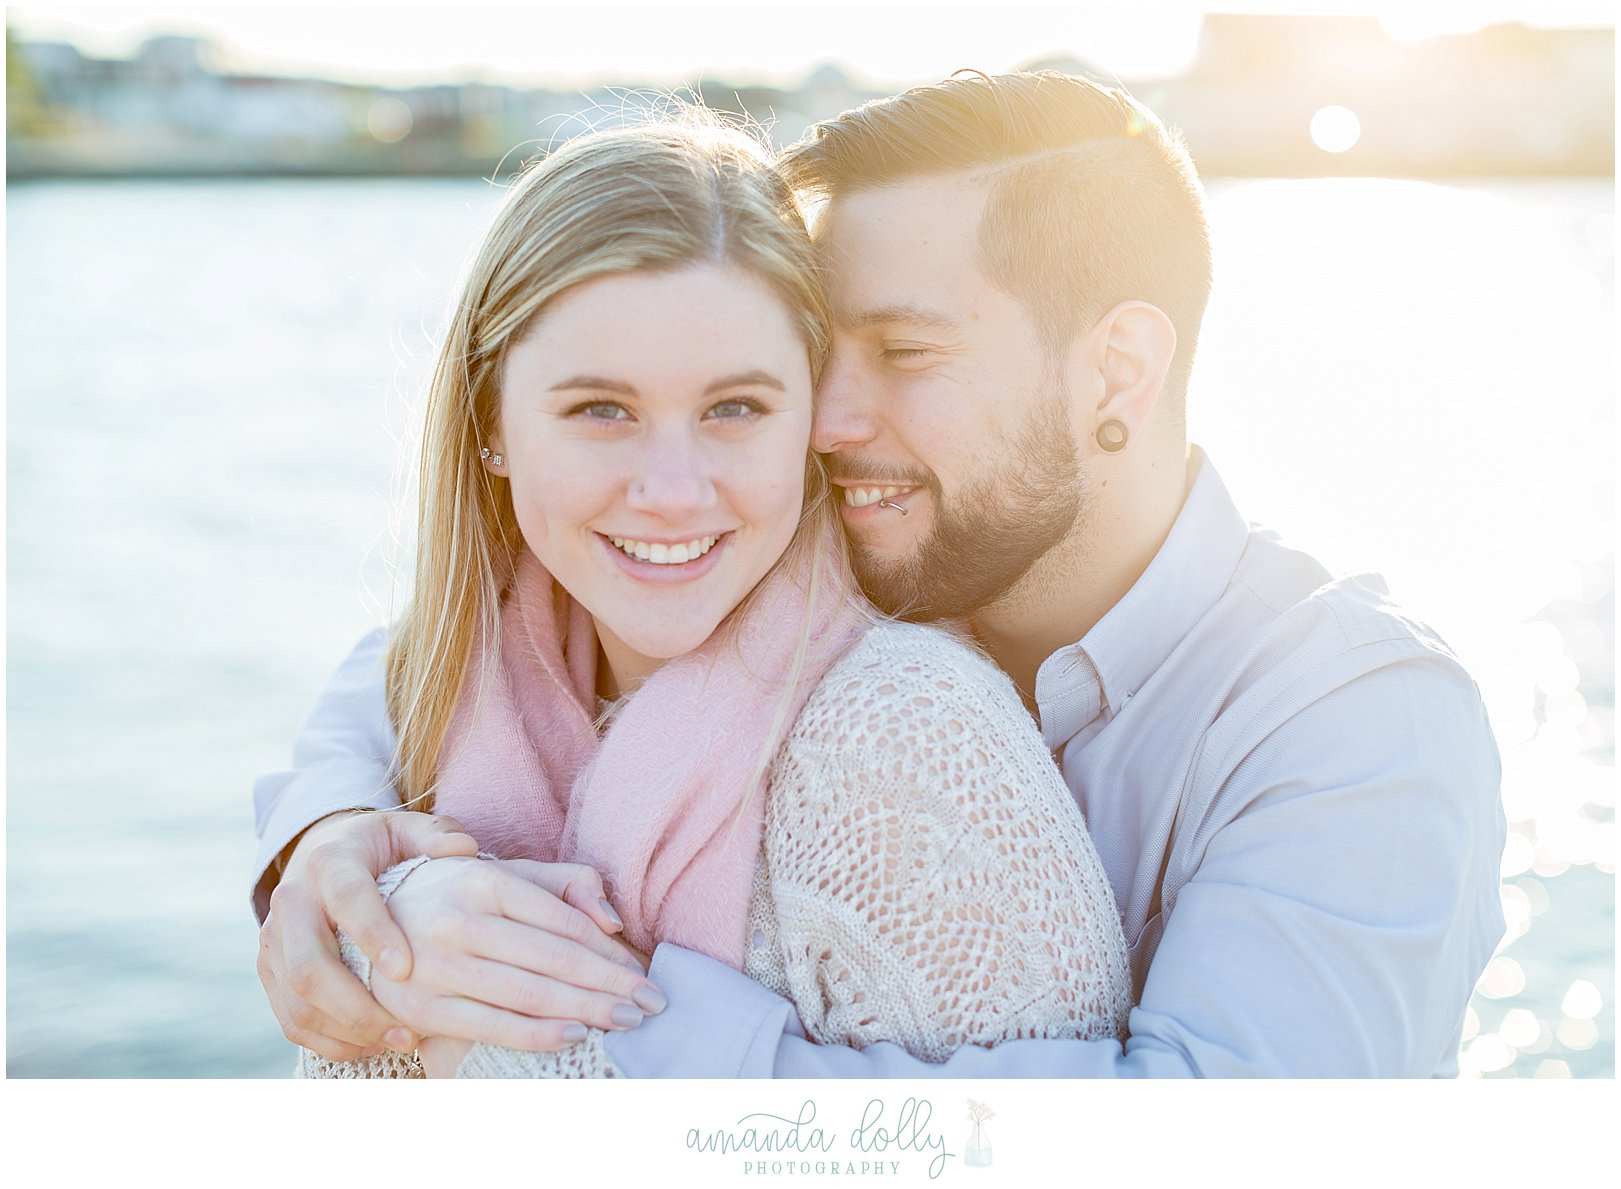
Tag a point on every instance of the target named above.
point(851, 467)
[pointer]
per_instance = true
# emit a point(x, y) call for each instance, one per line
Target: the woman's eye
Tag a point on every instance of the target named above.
point(600, 411)
point(731, 410)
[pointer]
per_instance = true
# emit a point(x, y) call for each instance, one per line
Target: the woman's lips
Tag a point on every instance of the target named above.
point(708, 548)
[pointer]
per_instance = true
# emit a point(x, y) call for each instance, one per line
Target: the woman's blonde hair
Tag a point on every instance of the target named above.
point(684, 190)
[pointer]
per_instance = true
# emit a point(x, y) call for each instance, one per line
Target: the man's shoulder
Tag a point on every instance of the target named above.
point(1288, 636)
point(1301, 600)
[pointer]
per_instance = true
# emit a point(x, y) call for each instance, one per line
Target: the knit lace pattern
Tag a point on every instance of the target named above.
point(926, 877)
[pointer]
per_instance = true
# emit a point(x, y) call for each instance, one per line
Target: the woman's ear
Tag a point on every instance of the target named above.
point(1130, 348)
point(493, 456)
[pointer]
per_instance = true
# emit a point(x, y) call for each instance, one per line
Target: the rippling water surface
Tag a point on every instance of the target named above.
point(207, 383)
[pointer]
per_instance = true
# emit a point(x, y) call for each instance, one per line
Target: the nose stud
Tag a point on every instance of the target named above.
point(897, 507)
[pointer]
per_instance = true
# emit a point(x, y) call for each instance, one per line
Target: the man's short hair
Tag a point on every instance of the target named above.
point(1091, 201)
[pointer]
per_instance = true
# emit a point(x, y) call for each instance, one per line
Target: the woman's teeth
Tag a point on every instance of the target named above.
point(860, 497)
point(665, 555)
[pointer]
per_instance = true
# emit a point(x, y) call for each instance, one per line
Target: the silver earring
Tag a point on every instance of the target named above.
point(494, 460)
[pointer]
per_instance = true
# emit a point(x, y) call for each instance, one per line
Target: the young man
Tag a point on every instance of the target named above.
point(1292, 785)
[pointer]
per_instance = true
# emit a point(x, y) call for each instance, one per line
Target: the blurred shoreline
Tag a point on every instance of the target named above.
point(1266, 96)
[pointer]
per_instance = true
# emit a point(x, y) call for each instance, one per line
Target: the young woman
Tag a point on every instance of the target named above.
point(634, 641)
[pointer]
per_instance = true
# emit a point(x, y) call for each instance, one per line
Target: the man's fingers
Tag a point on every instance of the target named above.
point(319, 1042)
point(316, 1000)
point(575, 884)
point(355, 906)
point(434, 835)
point(286, 1006)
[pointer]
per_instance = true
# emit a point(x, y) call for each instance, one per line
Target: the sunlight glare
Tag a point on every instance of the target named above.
point(1335, 129)
point(1582, 1001)
point(1503, 978)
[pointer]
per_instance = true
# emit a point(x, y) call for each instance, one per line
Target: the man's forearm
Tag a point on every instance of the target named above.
point(721, 1024)
point(342, 759)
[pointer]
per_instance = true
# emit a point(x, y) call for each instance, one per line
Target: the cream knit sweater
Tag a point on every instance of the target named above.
point(926, 877)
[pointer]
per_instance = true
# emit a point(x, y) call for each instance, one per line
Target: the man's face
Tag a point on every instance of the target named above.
point(939, 400)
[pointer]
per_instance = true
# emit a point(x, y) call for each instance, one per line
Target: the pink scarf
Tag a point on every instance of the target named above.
point(666, 805)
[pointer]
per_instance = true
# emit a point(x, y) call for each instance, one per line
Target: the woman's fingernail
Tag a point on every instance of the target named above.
point(392, 963)
point(650, 999)
point(608, 911)
point(626, 1016)
point(574, 1034)
point(398, 1039)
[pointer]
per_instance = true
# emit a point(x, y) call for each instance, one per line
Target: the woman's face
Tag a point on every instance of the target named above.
point(654, 427)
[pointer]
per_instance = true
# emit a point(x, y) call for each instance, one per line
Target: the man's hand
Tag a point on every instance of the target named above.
point(513, 953)
point(331, 881)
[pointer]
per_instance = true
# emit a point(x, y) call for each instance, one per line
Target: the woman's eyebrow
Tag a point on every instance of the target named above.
point(762, 379)
point(596, 383)
point(737, 380)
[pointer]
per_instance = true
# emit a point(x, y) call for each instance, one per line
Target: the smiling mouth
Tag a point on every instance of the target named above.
point(861, 497)
point(661, 554)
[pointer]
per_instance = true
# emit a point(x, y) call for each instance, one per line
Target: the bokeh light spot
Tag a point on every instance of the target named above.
point(1520, 1028)
point(1578, 1034)
point(389, 120)
point(1491, 1053)
point(1582, 1001)
point(1503, 978)
point(1335, 129)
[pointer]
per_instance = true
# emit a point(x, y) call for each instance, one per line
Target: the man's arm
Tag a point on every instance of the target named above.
point(1333, 925)
point(342, 759)
point(512, 954)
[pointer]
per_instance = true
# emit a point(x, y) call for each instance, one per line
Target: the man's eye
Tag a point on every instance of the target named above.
point(903, 354)
point(731, 410)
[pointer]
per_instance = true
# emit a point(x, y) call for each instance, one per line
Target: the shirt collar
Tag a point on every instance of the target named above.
point(1124, 649)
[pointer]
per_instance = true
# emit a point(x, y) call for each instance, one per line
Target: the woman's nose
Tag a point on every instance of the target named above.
point(673, 481)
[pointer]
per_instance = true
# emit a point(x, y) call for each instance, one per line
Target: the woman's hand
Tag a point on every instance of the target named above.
point(512, 953)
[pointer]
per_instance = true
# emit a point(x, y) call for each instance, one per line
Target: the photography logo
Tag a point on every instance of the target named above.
point(976, 1153)
point(882, 1140)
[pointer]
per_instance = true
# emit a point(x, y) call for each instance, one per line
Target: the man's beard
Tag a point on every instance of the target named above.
point(995, 530)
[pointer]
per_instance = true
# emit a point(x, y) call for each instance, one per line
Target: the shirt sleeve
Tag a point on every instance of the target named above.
point(1343, 901)
point(342, 759)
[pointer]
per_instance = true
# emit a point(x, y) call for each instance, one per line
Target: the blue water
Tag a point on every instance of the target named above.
point(207, 383)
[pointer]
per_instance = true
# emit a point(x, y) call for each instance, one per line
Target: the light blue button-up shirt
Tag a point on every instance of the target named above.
point(1312, 772)
point(1292, 786)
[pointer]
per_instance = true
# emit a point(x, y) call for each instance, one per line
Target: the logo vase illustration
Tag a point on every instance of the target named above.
point(978, 1152)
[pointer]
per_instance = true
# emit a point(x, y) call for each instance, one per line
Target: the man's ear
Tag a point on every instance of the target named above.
point(1131, 348)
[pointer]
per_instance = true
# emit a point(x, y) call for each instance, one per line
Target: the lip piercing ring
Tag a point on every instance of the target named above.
point(897, 507)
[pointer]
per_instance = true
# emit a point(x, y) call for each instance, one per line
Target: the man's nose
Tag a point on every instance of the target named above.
point(673, 479)
point(845, 415)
